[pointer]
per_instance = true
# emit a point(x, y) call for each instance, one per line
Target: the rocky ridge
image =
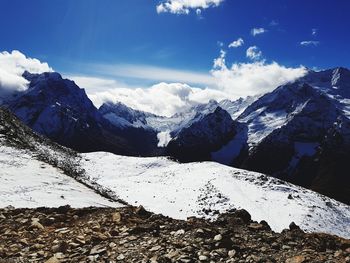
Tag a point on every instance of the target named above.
point(134, 235)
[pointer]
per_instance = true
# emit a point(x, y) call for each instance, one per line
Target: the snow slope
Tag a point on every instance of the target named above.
point(203, 189)
point(27, 182)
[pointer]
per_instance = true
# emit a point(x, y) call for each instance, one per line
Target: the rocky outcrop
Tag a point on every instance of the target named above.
point(134, 235)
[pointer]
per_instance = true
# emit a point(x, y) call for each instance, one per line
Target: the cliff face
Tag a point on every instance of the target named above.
point(135, 235)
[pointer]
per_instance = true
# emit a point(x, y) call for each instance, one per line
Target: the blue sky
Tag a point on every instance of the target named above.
point(129, 42)
point(65, 32)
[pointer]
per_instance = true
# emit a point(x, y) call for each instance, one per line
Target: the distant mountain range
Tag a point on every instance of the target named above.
point(299, 132)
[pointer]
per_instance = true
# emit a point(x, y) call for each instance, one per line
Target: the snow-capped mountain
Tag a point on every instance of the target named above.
point(286, 131)
point(283, 133)
point(236, 107)
point(123, 116)
point(59, 109)
point(167, 128)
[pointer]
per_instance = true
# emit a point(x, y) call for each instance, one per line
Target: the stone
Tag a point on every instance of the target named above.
point(243, 214)
point(52, 260)
point(255, 226)
point(141, 211)
point(179, 232)
point(155, 248)
point(296, 259)
point(231, 253)
point(218, 237)
point(97, 250)
point(293, 226)
point(203, 258)
point(116, 217)
point(36, 224)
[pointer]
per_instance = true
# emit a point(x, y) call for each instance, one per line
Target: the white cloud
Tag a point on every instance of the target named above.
point(237, 43)
point(228, 82)
point(253, 53)
point(184, 6)
point(12, 66)
point(157, 74)
point(258, 31)
point(309, 43)
point(164, 99)
point(247, 79)
point(314, 31)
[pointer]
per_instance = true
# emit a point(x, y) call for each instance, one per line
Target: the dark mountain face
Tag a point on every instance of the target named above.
point(208, 131)
point(60, 110)
point(310, 145)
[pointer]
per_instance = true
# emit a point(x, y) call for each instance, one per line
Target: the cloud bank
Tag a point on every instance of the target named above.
point(231, 82)
point(12, 66)
point(247, 79)
point(163, 99)
point(185, 6)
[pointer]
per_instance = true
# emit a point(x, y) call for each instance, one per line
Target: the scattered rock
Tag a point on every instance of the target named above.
point(203, 258)
point(255, 226)
point(52, 260)
point(128, 235)
point(243, 214)
point(36, 224)
point(116, 217)
point(218, 237)
point(293, 226)
point(231, 253)
point(141, 211)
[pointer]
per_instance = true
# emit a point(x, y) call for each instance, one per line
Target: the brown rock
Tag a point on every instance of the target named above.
point(52, 260)
point(296, 259)
point(116, 217)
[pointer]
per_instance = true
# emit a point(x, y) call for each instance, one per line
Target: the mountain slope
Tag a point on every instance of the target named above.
point(123, 116)
point(35, 172)
point(207, 188)
point(286, 133)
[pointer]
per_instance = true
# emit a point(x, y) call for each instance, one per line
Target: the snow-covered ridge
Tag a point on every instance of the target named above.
point(26, 182)
point(36, 172)
point(203, 189)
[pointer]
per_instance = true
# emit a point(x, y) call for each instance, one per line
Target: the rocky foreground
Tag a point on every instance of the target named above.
point(134, 235)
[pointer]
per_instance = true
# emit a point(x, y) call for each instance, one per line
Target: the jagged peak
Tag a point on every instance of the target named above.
point(42, 76)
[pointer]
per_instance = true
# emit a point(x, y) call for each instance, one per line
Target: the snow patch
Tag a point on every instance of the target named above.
point(181, 190)
point(164, 138)
point(29, 183)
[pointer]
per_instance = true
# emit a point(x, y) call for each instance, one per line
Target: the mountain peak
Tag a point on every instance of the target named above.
point(42, 76)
